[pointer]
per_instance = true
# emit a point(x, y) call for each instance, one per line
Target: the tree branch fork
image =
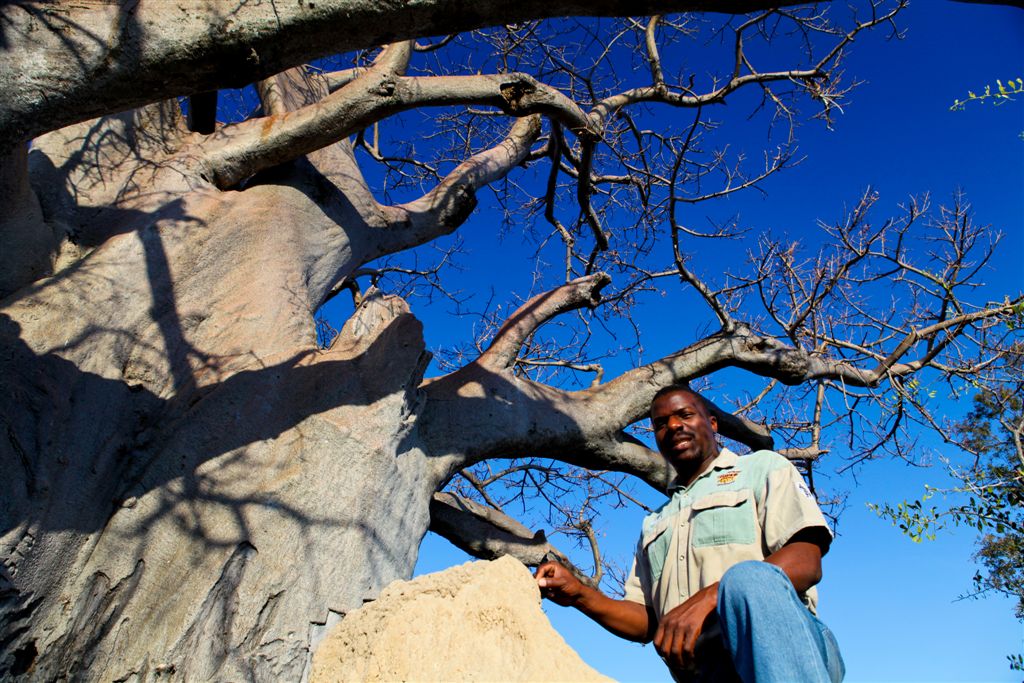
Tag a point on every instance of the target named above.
point(534, 420)
point(600, 414)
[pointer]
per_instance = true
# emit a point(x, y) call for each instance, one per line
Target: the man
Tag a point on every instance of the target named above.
point(723, 577)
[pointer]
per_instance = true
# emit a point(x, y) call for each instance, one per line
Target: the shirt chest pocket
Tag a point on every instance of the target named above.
point(655, 543)
point(723, 517)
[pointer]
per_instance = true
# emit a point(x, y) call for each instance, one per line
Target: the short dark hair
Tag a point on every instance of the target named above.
point(684, 389)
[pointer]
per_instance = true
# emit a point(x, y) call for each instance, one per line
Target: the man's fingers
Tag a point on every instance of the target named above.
point(688, 647)
point(548, 575)
point(558, 584)
point(554, 582)
point(551, 582)
point(544, 573)
point(673, 648)
point(675, 639)
point(664, 643)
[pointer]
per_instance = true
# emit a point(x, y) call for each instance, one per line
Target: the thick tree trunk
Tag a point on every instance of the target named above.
point(29, 241)
point(190, 488)
point(210, 546)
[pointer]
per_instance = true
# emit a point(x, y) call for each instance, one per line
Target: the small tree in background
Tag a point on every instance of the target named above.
point(988, 494)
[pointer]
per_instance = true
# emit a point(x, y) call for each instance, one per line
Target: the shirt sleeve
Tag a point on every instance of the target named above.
point(633, 589)
point(788, 506)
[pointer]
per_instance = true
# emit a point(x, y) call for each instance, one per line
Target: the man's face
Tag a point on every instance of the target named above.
point(685, 433)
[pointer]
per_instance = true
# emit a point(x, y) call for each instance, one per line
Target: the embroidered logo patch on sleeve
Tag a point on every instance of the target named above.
point(727, 478)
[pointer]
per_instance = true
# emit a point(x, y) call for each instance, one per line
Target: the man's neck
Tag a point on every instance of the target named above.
point(690, 475)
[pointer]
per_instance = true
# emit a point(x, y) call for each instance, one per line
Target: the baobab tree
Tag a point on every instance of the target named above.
point(192, 487)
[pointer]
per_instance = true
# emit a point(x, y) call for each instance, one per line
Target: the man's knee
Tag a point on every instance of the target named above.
point(752, 581)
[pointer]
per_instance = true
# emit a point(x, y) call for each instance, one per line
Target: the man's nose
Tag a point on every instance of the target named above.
point(674, 422)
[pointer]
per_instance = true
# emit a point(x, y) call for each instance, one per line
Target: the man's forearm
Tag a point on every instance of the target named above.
point(801, 562)
point(624, 618)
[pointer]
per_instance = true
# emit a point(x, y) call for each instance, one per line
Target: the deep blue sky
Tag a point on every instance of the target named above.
point(892, 604)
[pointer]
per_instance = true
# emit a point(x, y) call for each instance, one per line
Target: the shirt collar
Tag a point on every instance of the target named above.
point(726, 459)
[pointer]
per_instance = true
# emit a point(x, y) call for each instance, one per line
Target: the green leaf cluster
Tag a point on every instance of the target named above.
point(1001, 95)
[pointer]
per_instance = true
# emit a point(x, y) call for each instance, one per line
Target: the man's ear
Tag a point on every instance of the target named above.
point(714, 423)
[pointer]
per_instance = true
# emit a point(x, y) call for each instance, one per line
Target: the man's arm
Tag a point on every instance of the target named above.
point(800, 558)
point(624, 618)
point(676, 636)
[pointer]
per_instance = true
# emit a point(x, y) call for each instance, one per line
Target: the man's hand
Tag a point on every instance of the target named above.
point(676, 637)
point(558, 584)
point(625, 619)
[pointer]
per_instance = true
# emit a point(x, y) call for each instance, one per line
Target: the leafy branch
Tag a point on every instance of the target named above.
point(1001, 95)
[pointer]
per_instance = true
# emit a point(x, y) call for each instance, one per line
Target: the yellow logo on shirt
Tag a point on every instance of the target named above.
point(727, 478)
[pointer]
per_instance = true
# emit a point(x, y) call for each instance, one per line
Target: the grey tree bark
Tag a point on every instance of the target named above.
point(191, 488)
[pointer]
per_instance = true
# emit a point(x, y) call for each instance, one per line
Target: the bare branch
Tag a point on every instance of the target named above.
point(586, 527)
point(156, 56)
point(336, 80)
point(447, 205)
point(583, 190)
point(630, 394)
point(580, 293)
point(430, 47)
point(480, 487)
point(555, 151)
point(486, 533)
point(595, 368)
point(610, 105)
point(243, 149)
point(271, 100)
point(653, 58)
point(805, 453)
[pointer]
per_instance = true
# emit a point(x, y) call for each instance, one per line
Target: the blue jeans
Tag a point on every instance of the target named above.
point(770, 634)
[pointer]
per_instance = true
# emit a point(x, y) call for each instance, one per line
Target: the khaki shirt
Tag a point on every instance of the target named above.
point(740, 508)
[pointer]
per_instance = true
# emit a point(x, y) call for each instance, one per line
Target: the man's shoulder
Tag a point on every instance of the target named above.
point(763, 461)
